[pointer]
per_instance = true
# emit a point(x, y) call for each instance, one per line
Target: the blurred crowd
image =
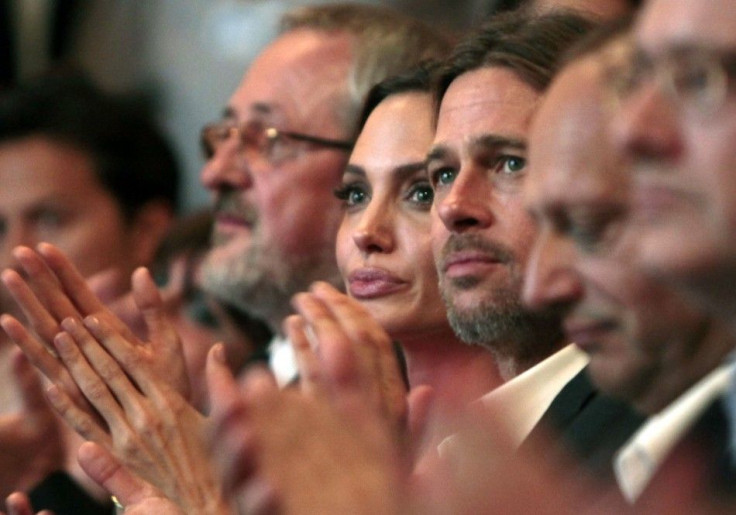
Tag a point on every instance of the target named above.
point(487, 273)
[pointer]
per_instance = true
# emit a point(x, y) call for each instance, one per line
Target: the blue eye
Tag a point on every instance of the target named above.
point(511, 165)
point(421, 193)
point(352, 194)
point(443, 176)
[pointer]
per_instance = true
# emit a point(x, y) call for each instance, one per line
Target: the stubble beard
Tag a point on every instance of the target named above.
point(499, 321)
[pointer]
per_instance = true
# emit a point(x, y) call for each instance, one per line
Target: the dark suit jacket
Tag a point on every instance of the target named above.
point(59, 493)
point(585, 424)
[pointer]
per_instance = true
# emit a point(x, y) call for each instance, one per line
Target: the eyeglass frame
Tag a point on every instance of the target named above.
point(719, 66)
point(226, 129)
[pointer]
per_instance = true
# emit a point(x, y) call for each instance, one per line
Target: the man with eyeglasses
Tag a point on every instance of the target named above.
point(278, 154)
point(676, 124)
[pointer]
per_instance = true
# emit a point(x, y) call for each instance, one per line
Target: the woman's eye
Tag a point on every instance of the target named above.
point(510, 165)
point(421, 193)
point(352, 195)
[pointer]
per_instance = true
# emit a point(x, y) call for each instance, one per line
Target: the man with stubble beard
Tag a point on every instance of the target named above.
point(482, 236)
point(280, 150)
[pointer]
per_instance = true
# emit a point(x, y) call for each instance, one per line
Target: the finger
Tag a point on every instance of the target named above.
point(148, 299)
point(357, 323)
point(230, 439)
point(81, 421)
point(373, 345)
point(107, 471)
point(45, 285)
point(222, 388)
point(39, 318)
point(40, 357)
point(73, 283)
point(419, 403)
point(355, 319)
point(165, 342)
point(311, 379)
point(334, 349)
point(95, 387)
point(18, 504)
point(110, 352)
point(76, 290)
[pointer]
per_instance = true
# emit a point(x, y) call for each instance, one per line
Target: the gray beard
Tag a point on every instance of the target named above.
point(263, 286)
point(506, 328)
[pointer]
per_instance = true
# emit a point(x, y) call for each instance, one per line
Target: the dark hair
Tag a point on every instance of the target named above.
point(529, 45)
point(597, 39)
point(531, 5)
point(130, 155)
point(418, 79)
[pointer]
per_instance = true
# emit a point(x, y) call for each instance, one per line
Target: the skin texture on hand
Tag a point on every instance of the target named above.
point(112, 388)
point(302, 453)
point(31, 445)
point(53, 290)
point(352, 352)
point(149, 426)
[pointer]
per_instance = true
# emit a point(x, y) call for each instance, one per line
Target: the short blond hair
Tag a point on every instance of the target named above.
point(386, 43)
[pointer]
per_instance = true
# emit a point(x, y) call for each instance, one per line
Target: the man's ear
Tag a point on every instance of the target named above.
point(148, 227)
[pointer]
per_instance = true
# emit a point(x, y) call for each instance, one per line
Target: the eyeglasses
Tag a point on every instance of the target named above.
point(696, 79)
point(270, 143)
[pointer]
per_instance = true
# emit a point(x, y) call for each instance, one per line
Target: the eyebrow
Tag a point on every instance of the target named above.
point(402, 171)
point(484, 142)
point(493, 141)
point(259, 108)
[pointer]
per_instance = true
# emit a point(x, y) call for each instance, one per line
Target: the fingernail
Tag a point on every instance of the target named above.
point(218, 352)
point(92, 322)
point(62, 342)
point(69, 324)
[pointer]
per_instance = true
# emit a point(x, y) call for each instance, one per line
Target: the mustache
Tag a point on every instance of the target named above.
point(231, 203)
point(462, 242)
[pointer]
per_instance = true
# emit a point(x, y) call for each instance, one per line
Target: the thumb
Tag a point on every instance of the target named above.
point(107, 471)
point(148, 299)
point(420, 400)
point(222, 388)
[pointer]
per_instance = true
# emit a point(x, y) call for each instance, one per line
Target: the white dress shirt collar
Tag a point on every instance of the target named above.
point(638, 460)
point(524, 399)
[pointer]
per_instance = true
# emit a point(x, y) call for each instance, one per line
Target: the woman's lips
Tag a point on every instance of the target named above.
point(371, 283)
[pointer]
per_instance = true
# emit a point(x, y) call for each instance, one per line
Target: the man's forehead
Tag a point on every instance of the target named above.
point(301, 75)
point(571, 128)
point(571, 154)
point(486, 101)
point(665, 24)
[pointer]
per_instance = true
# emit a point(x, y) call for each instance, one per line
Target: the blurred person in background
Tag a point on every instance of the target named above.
point(647, 344)
point(95, 176)
point(675, 124)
